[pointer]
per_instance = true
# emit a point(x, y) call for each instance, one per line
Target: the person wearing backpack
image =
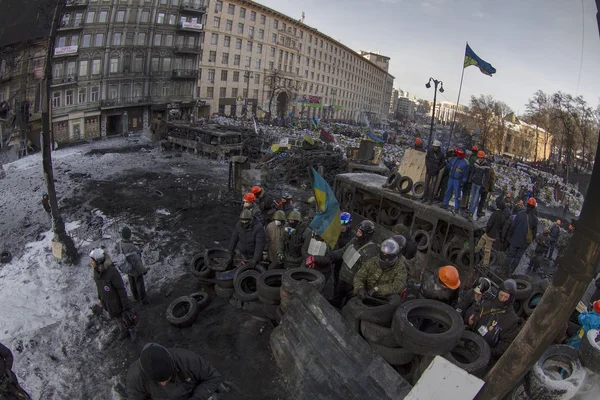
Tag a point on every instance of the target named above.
point(521, 233)
point(129, 261)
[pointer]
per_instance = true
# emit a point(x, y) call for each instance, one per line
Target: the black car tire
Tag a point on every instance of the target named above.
point(291, 283)
point(372, 310)
point(545, 382)
point(422, 238)
point(589, 352)
point(418, 189)
point(392, 180)
point(269, 284)
point(527, 306)
point(202, 299)
point(393, 355)
point(199, 268)
point(182, 312)
point(476, 355)
point(422, 342)
point(404, 185)
point(5, 257)
point(217, 259)
point(377, 334)
point(245, 285)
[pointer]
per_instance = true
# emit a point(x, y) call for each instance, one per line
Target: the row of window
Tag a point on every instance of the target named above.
point(234, 74)
point(101, 17)
point(127, 39)
point(242, 12)
point(117, 64)
point(210, 93)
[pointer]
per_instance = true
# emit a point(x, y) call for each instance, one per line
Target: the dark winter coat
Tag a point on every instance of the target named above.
point(472, 158)
point(433, 289)
point(480, 173)
point(554, 232)
point(345, 238)
point(265, 204)
point(194, 379)
point(411, 248)
point(491, 182)
point(6, 361)
point(9, 384)
point(543, 244)
point(518, 228)
point(494, 225)
point(111, 290)
point(434, 161)
point(248, 239)
point(502, 324)
point(465, 301)
point(133, 255)
point(459, 169)
point(294, 247)
point(366, 250)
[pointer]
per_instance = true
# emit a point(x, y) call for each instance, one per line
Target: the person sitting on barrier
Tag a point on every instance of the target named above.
point(292, 247)
point(248, 238)
point(442, 286)
point(496, 319)
point(383, 276)
point(474, 297)
point(352, 256)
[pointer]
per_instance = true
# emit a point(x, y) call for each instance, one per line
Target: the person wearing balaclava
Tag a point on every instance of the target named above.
point(112, 296)
point(273, 232)
point(248, 238)
point(496, 320)
point(292, 247)
point(171, 374)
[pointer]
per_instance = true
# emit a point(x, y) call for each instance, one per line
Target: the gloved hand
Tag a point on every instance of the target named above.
point(280, 257)
point(361, 294)
point(310, 261)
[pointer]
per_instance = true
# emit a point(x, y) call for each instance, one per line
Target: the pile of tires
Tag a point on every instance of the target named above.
point(402, 184)
point(184, 310)
point(269, 293)
point(537, 292)
point(557, 375)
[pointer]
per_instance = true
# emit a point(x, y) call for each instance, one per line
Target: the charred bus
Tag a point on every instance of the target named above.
point(212, 141)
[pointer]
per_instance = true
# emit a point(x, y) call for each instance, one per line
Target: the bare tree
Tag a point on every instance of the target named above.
point(483, 115)
point(538, 110)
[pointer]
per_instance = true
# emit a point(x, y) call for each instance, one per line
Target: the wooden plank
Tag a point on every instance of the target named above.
point(413, 165)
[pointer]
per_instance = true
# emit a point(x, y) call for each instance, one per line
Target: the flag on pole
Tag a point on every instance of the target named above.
point(326, 223)
point(472, 59)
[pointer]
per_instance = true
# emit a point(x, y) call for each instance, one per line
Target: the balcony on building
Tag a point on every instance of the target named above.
point(184, 74)
point(188, 48)
point(65, 51)
point(190, 27)
point(125, 102)
point(192, 7)
point(87, 106)
point(64, 80)
point(70, 25)
point(70, 4)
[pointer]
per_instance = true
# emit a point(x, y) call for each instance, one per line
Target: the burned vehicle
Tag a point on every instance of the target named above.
point(213, 141)
point(442, 237)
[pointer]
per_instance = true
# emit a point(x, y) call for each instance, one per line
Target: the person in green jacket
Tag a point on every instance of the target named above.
point(384, 275)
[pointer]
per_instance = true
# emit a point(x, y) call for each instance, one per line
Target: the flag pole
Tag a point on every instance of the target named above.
point(457, 101)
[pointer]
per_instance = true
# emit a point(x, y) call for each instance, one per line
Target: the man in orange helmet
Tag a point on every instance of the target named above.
point(251, 205)
point(419, 145)
point(265, 202)
point(442, 286)
point(522, 231)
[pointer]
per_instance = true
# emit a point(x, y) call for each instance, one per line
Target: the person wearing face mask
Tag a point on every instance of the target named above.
point(251, 205)
point(352, 256)
point(496, 320)
point(292, 247)
point(248, 238)
point(112, 296)
point(382, 276)
point(273, 232)
point(171, 374)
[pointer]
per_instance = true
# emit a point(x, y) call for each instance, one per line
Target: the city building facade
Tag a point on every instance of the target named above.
point(394, 103)
point(525, 141)
point(445, 111)
point(405, 108)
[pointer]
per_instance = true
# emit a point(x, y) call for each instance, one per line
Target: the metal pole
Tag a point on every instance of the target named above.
point(435, 89)
point(456, 111)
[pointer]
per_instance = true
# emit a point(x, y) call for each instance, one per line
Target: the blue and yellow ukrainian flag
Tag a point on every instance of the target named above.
point(315, 122)
point(472, 59)
point(327, 223)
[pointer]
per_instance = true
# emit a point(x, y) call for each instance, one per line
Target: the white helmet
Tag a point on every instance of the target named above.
point(97, 255)
point(437, 143)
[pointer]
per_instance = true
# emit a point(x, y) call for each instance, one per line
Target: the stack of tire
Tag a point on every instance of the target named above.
point(184, 310)
point(528, 294)
point(405, 185)
point(410, 335)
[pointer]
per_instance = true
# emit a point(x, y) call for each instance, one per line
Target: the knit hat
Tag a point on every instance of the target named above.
point(126, 233)
point(157, 363)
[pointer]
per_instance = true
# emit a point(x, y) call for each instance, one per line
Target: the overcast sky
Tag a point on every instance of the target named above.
point(533, 44)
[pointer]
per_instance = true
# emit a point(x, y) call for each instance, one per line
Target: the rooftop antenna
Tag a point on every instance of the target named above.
point(302, 20)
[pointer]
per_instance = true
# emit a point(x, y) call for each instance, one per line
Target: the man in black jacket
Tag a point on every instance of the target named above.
point(132, 255)
point(9, 384)
point(522, 231)
point(248, 237)
point(112, 296)
point(493, 230)
point(171, 374)
point(434, 163)
point(496, 320)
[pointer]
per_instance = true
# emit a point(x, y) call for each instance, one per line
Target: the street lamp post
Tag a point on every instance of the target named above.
point(435, 90)
point(247, 75)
